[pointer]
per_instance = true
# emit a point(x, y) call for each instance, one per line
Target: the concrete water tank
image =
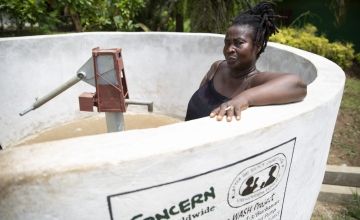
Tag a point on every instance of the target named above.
point(269, 165)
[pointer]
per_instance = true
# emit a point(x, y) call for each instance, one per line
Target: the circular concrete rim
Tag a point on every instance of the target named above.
point(328, 83)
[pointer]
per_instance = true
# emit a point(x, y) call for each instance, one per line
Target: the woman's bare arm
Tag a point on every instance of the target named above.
point(266, 89)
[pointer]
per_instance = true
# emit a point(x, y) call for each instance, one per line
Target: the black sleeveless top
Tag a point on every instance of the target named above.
point(203, 101)
point(206, 98)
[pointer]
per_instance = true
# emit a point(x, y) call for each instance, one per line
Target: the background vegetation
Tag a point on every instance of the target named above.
point(29, 17)
point(306, 38)
point(46, 16)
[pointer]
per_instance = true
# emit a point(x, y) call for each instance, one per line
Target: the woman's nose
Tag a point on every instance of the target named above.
point(230, 49)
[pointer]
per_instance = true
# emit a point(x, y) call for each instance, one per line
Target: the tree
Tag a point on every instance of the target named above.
point(23, 12)
point(163, 15)
point(125, 13)
point(215, 15)
point(83, 15)
point(203, 15)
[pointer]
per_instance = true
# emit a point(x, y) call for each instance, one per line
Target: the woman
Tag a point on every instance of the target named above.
point(235, 84)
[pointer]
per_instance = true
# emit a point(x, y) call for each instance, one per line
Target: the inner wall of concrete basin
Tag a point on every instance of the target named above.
point(270, 165)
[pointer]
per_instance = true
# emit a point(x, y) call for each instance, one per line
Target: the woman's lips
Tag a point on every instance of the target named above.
point(231, 59)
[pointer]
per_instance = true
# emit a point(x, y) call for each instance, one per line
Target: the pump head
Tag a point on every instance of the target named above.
point(105, 71)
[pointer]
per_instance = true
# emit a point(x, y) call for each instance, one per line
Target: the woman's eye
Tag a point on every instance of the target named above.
point(228, 43)
point(238, 43)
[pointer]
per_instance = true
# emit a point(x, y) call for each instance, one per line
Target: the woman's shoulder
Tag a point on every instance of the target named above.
point(264, 76)
point(270, 75)
point(212, 71)
point(216, 64)
point(216, 67)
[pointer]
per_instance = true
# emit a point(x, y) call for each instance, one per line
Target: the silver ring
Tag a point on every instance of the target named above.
point(229, 107)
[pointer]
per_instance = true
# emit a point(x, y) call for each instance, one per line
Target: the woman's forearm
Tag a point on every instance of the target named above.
point(276, 89)
point(284, 89)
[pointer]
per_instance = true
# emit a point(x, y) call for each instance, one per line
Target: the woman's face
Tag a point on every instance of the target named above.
point(239, 49)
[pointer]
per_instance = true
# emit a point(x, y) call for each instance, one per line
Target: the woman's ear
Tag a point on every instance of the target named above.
point(258, 48)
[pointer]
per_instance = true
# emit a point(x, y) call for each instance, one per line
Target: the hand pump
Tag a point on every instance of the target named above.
point(105, 71)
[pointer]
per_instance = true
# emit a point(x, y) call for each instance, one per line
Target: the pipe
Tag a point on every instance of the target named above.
point(114, 121)
point(39, 102)
point(150, 105)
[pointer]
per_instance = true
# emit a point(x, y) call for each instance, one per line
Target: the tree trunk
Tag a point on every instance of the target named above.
point(179, 23)
point(1, 29)
point(179, 18)
point(75, 18)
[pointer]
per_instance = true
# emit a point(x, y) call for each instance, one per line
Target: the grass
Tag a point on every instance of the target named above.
point(351, 96)
point(352, 209)
point(345, 146)
point(346, 140)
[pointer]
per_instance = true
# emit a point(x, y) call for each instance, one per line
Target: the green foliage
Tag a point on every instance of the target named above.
point(307, 39)
point(95, 15)
point(82, 15)
point(27, 12)
point(352, 94)
point(211, 16)
point(125, 12)
point(352, 211)
point(164, 15)
point(85, 14)
point(357, 58)
point(214, 16)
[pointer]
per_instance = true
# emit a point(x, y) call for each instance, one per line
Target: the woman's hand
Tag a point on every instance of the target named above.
point(231, 108)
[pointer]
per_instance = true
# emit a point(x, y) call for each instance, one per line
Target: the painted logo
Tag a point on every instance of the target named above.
point(250, 188)
point(256, 181)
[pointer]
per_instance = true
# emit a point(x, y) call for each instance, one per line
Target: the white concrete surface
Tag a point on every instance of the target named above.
point(198, 169)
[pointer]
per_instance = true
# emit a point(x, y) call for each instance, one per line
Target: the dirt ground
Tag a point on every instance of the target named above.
point(327, 211)
point(345, 146)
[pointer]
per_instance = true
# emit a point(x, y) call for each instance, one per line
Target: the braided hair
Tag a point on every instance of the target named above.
point(261, 18)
